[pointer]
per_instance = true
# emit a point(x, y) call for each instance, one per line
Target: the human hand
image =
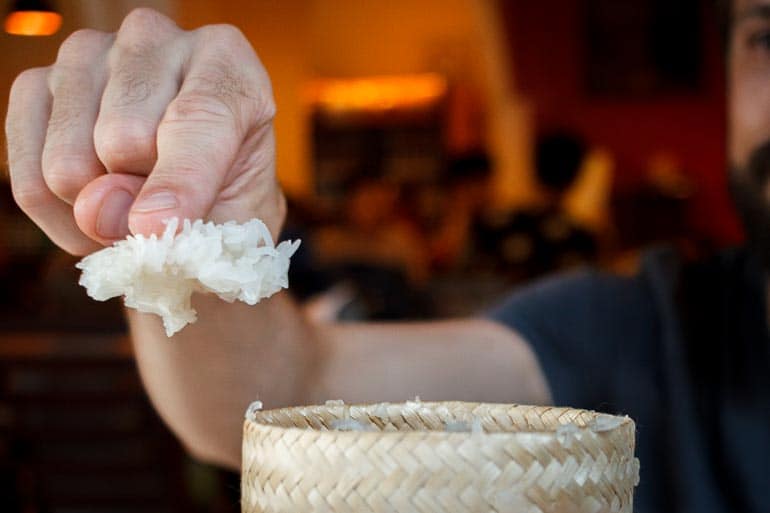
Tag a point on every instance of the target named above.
point(127, 129)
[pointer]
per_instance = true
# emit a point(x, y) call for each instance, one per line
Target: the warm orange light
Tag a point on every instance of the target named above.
point(33, 23)
point(377, 94)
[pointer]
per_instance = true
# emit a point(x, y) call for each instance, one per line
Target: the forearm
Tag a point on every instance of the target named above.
point(202, 380)
point(461, 360)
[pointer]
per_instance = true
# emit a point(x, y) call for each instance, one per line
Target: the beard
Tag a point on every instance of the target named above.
point(749, 189)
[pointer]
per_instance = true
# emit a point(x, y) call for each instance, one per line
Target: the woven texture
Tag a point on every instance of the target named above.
point(513, 458)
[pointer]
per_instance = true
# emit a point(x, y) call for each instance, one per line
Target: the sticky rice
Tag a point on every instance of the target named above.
point(159, 274)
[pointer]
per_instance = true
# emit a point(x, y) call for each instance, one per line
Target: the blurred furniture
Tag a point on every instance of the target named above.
point(643, 47)
point(388, 127)
point(650, 215)
point(40, 290)
point(77, 433)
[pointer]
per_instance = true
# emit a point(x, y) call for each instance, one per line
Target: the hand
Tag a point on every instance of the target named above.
point(127, 129)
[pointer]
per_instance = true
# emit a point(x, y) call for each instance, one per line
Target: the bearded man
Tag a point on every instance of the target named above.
point(127, 129)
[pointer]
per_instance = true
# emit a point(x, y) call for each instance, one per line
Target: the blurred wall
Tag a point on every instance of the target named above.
point(302, 39)
point(548, 43)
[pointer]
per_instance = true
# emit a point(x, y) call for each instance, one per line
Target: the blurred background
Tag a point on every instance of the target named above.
point(436, 154)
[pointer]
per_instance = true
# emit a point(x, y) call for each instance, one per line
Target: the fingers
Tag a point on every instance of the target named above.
point(149, 124)
point(101, 209)
point(145, 66)
point(28, 112)
point(76, 82)
point(225, 96)
point(145, 69)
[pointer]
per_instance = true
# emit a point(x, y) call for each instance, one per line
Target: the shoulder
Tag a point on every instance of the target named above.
point(581, 327)
point(574, 317)
point(582, 297)
point(589, 292)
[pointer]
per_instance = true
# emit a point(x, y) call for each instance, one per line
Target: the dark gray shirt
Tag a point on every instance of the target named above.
point(682, 349)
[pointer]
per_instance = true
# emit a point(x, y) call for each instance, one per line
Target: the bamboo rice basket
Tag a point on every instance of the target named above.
point(449, 457)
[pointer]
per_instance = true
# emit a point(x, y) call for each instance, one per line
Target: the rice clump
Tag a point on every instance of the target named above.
point(158, 275)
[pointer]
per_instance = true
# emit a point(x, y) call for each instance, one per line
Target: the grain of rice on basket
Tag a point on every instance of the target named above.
point(447, 457)
point(159, 274)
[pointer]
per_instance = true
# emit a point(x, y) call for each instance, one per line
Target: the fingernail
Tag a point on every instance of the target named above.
point(158, 201)
point(112, 221)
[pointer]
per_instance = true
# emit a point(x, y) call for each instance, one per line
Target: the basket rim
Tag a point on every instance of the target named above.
point(252, 420)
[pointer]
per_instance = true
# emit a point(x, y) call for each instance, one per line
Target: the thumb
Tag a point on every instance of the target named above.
point(101, 208)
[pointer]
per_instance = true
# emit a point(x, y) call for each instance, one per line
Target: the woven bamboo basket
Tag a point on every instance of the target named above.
point(448, 457)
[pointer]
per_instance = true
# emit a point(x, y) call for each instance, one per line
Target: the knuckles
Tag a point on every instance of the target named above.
point(198, 107)
point(207, 106)
point(144, 23)
point(241, 72)
point(27, 80)
point(223, 35)
point(29, 195)
point(64, 177)
point(125, 145)
point(74, 50)
point(139, 39)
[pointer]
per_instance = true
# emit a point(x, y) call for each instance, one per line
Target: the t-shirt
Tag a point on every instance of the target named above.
point(684, 350)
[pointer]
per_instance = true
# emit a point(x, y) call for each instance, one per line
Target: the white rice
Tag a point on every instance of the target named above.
point(158, 275)
point(605, 422)
point(252, 410)
point(457, 427)
point(351, 425)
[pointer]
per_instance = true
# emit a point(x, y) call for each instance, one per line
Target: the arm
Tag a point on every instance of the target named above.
point(128, 129)
point(463, 360)
point(202, 381)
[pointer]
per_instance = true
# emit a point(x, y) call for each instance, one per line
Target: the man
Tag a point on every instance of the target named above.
point(127, 129)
